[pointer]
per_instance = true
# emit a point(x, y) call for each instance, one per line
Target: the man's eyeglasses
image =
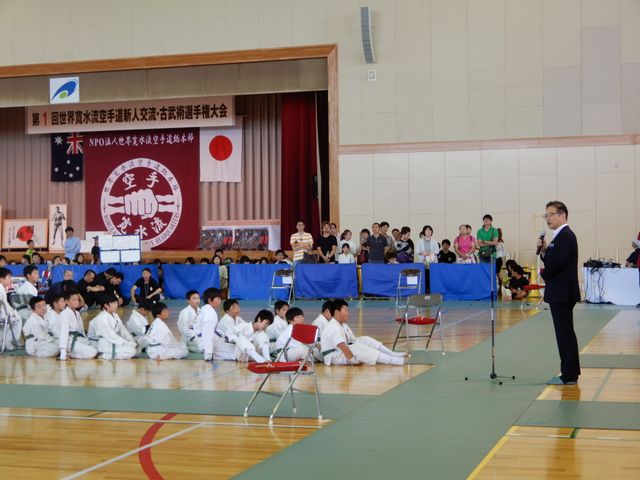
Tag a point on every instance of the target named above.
point(547, 215)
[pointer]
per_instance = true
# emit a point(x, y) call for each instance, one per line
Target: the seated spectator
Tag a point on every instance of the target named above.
point(428, 247)
point(281, 257)
point(518, 282)
point(345, 237)
point(446, 255)
point(148, 287)
point(327, 245)
point(36, 259)
point(346, 256)
point(263, 261)
point(3, 261)
point(391, 258)
point(89, 289)
point(204, 261)
point(634, 257)
point(25, 260)
point(189, 261)
point(57, 260)
point(404, 246)
point(465, 245)
point(245, 260)
point(79, 259)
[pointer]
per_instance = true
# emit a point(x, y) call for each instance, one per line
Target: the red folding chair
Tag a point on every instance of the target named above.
point(307, 335)
point(532, 288)
point(428, 319)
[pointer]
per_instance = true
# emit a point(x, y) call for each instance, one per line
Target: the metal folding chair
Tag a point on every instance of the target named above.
point(409, 280)
point(5, 321)
point(306, 334)
point(282, 280)
point(533, 288)
point(426, 303)
point(20, 302)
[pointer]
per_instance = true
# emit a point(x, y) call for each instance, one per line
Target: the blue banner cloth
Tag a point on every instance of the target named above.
point(16, 270)
point(381, 279)
point(179, 279)
point(131, 273)
point(460, 281)
point(253, 281)
point(326, 281)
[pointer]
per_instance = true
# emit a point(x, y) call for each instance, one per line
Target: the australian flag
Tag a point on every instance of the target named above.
point(66, 157)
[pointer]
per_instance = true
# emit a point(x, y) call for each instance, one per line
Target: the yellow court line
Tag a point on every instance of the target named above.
point(491, 453)
point(6, 381)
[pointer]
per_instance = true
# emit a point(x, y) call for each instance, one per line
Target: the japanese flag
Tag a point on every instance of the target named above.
point(221, 153)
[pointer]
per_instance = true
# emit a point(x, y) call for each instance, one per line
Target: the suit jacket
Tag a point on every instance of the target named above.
point(561, 268)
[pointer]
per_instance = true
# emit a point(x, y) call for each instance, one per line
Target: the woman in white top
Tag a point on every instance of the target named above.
point(427, 247)
point(346, 256)
point(345, 238)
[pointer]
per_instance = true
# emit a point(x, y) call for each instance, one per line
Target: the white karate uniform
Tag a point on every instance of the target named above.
point(295, 351)
point(39, 341)
point(27, 288)
point(235, 338)
point(162, 344)
point(204, 329)
point(187, 320)
point(15, 321)
point(114, 340)
point(274, 330)
point(52, 320)
point(72, 337)
point(364, 349)
point(137, 325)
point(321, 322)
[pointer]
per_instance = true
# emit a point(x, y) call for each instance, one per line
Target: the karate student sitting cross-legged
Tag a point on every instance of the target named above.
point(341, 347)
point(207, 322)
point(72, 339)
point(239, 340)
point(138, 323)
point(295, 350)
point(52, 317)
point(325, 317)
point(114, 340)
point(279, 323)
point(161, 344)
point(39, 341)
point(187, 321)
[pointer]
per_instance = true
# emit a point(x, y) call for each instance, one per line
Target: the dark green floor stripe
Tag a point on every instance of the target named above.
point(609, 361)
point(566, 413)
point(437, 424)
point(169, 401)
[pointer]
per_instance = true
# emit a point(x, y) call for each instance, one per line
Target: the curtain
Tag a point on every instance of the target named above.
point(299, 165)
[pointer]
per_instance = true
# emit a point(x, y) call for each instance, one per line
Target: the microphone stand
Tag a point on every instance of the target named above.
point(493, 376)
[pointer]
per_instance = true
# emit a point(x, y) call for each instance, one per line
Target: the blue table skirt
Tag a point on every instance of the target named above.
point(179, 279)
point(253, 281)
point(326, 281)
point(381, 279)
point(462, 281)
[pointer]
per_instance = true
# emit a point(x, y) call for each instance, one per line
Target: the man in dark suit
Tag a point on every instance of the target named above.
point(561, 292)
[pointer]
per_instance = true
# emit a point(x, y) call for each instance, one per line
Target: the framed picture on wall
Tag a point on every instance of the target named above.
point(17, 232)
point(57, 225)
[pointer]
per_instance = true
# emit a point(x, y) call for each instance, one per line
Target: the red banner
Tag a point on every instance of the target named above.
point(146, 183)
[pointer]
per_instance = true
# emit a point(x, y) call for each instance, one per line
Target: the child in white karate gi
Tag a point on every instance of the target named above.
point(236, 339)
point(72, 339)
point(188, 319)
point(341, 347)
point(161, 343)
point(39, 341)
point(114, 340)
point(138, 323)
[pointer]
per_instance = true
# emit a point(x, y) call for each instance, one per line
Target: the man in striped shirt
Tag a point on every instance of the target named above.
point(301, 242)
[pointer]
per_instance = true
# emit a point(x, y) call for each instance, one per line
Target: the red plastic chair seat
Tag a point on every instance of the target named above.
point(529, 288)
point(274, 367)
point(418, 320)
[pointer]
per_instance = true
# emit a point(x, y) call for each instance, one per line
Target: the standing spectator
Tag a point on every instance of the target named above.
point(445, 255)
point(334, 230)
point(363, 249)
point(465, 246)
point(30, 248)
point(223, 273)
point(428, 247)
point(500, 256)
point(327, 245)
point(78, 259)
point(404, 246)
point(71, 244)
point(378, 245)
point(281, 258)
point(95, 251)
point(301, 242)
point(384, 229)
point(487, 239)
point(632, 259)
point(346, 238)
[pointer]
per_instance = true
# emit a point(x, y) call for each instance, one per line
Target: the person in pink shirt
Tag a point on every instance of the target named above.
point(465, 245)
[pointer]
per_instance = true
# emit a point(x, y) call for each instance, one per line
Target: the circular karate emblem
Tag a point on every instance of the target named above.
point(143, 197)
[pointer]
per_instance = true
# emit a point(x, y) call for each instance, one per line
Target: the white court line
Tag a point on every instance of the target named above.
point(463, 319)
point(144, 420)
point(132, 452)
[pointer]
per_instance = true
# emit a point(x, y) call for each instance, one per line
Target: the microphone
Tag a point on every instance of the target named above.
point(542, 234)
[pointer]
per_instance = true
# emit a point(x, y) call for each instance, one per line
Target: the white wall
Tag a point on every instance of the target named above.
point(446, 69)
point(599, 184)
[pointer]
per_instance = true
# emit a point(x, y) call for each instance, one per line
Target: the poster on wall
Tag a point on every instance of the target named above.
point(17, 232)
point(57, 225)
